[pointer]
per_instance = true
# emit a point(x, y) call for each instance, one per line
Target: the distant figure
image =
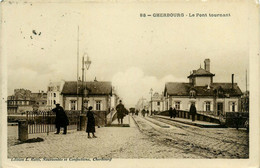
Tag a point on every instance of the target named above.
point(136, 112)
point(193, 111)
point(120, 112)
point(238, 118)
point(143, 112)
point(61, 119)
point(153, 113)
point(174, 113)
point(171, 112)
point(91, 123)
point(147, 112)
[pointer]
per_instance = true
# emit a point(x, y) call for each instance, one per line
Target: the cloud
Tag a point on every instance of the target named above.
point(133, 84)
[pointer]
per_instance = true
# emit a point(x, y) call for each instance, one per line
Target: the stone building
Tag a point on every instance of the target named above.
point(157, 102)
point(214, 98)
point(54, 94)
point(96, 94)
point(24, 100)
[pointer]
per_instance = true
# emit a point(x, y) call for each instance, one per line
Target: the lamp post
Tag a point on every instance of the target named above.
point(151, 91)
point(84, 91)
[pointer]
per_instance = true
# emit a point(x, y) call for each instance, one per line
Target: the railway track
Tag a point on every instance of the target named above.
point(184, 140)
point(194, 130)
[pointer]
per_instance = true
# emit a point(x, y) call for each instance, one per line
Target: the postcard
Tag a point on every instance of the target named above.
point(130, 83)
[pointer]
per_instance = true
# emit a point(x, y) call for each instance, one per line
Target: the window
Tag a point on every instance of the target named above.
point(54, 94)
point(98, 105)
point(177, 105)
point(54, 101)
point(192, 93)
point(158, 103)
point(232, 106)
point(85, 104)
point(207, 106)
point(73, 105)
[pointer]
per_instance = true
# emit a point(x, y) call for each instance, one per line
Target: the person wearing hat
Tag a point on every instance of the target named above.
point(61, 119)
point(120, 112)
point(90, 123)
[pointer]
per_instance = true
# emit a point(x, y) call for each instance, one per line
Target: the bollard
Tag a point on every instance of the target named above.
point(82, 120)
point(22, 130)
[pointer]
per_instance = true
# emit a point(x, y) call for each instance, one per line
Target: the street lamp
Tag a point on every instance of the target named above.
point(151, 91)
point(84, 91)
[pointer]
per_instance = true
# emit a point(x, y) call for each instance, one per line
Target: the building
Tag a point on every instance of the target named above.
point(54, 93)
point(96, 94)
point(215, 98)
point(157, 102)
point(24, 100)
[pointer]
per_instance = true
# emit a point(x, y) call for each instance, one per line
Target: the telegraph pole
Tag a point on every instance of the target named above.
point(78, 70)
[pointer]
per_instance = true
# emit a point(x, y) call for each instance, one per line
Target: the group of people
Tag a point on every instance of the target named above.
point(62, 120)
point(193, 112)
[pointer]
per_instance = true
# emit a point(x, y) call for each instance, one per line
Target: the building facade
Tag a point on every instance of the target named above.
point(95, 94)
point(157, 102)
point(54, 93)
point(207, 96)
point(24, 100)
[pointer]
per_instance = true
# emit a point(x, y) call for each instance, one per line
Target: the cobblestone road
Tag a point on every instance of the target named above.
point(204, 142)
point(142, 140)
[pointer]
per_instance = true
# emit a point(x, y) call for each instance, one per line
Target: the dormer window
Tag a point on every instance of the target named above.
point(192, 94)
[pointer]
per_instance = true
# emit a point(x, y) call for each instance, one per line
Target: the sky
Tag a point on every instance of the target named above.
point(133, 52)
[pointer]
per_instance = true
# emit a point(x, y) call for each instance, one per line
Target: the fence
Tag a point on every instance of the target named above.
point(44, 121)
point(229, 119)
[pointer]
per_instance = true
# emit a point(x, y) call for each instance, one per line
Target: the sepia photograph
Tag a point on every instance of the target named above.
point(103, 82)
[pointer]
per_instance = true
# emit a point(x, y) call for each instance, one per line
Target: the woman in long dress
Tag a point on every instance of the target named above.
point(90, 123)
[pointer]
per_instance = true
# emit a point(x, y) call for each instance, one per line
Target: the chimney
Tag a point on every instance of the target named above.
point(232, 81)
point(207, 65)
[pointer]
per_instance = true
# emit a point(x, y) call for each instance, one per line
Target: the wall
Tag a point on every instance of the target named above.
point(202, 81)
point(103, 99)
point(200, 103)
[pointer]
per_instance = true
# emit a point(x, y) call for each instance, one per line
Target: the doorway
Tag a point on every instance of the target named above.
point(219, 108)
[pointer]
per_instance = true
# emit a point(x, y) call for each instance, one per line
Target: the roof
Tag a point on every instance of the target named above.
point(183, 89)
point(201, 72)
point(94, 88)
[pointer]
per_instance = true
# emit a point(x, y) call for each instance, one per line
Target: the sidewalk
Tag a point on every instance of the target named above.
point(111, 142)
point(197, 123)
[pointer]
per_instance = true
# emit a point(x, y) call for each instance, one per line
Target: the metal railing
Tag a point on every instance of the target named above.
point(44, 121)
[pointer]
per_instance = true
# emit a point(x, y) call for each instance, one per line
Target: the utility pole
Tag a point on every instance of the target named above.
point(78, 70)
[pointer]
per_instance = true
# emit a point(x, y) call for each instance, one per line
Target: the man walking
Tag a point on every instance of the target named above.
point(193, 111)
point(61, 119)
point(120, 112)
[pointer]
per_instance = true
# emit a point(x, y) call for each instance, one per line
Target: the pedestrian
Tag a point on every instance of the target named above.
point(143, 112)
point(90, 123)
point(136, 112)
point(237, 120)
point(120, 112)
point(171, 112)
point(193, 111)
point(174, 112)
point(61, 119)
